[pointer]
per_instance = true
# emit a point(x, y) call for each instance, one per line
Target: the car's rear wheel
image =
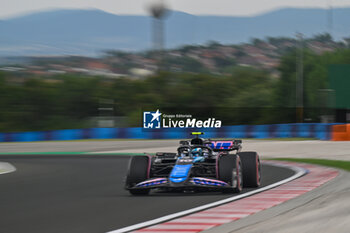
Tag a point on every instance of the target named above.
point(231, 172)
point(138, 171)
point(251, 169)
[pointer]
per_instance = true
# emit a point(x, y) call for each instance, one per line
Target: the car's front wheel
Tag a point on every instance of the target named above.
point(231, 172)
point(139, 191)
point(138, 171)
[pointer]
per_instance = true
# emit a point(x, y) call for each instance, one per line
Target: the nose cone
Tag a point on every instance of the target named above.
point(180, 173)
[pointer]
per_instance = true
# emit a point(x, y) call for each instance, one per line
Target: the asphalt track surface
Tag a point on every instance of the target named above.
point(74, 194)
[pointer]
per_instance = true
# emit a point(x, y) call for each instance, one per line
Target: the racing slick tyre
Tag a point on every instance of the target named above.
point(230, 171)
point(137, 172)
point(251, 169)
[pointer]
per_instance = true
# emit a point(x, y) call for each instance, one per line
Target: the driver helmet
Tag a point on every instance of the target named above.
point(197, 152)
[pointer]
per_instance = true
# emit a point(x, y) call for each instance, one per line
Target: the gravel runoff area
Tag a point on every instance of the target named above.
point(266, 148)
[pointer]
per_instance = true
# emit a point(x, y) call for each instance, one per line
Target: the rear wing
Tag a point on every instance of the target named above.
point(226, 145)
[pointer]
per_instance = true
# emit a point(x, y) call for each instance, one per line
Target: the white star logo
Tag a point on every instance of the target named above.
point(156, 115)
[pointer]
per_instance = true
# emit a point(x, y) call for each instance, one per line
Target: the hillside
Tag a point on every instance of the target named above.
point(88, 32)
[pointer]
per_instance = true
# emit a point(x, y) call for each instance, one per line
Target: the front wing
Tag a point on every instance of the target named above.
point(191, 182)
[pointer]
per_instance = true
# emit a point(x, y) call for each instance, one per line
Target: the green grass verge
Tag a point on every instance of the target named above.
point(345, 165)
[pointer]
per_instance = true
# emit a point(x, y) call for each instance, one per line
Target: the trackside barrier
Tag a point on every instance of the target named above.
point(340, 132)
point(323, 131)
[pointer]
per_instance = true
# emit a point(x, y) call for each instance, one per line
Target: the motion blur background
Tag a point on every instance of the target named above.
point(83, 64)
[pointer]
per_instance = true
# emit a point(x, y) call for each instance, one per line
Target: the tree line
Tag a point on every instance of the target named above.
point(245, 96)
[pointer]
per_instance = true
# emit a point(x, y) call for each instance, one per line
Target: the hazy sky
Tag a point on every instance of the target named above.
point(9, 8)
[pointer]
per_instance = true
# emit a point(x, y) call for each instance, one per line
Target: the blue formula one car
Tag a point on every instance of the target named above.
point(199, 165)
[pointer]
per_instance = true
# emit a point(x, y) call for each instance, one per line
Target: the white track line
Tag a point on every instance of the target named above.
point(298, 173)
point(6, 168)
